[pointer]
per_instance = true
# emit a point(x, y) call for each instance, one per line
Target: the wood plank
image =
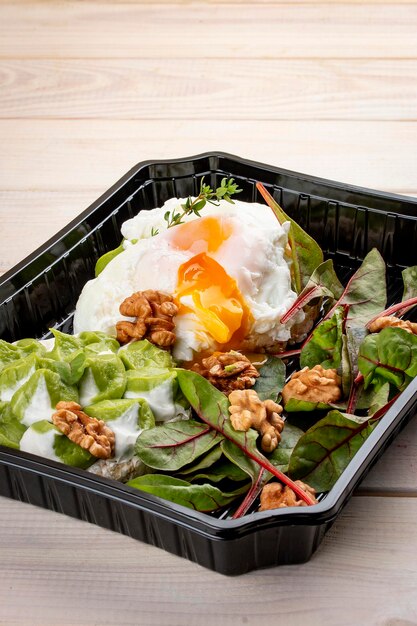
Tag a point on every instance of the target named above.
point(28, 219)
point(216, 2)
point(59, 570)
point(226, 89)
point(89, 154)
point(91, 30)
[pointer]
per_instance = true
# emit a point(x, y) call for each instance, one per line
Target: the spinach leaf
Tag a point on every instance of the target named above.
point(325, 450)
point(306, 253)
point(171, 446)
point(203, 498)
point(271, 379)
point(390, 355)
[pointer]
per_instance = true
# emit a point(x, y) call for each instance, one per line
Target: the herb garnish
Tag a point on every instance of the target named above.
point(193, 206)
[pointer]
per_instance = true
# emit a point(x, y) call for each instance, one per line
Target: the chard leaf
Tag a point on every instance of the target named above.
point(306, 253)
point(322, 283)
point(204, 498)
point(212, 407)
point(410, 287)
point(326, 343)
point(410, 282)
point(390, 355)
point(171, 446)
point(280, 457)
point(366, 293)
point(222, 470)
point(238, 458)
point(203, 462)
point(271, 379)
point(295, 406)
point(326, 449)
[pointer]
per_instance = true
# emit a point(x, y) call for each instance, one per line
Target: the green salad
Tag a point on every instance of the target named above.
point(229, 427)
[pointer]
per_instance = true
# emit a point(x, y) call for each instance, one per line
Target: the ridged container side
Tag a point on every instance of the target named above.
point(41, 293)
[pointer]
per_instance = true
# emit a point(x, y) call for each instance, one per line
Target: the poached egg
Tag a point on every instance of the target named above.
point(227, 271)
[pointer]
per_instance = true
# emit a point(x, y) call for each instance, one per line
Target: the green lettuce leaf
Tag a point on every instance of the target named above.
point(204, 498)
point(127, 419)
point(11, 430)
point(45, 440)
point(106, 258)
point(143, 354)
point(104, 378)
point(37, 398)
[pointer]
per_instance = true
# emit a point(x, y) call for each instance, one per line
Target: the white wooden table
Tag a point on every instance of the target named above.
point(88, 89)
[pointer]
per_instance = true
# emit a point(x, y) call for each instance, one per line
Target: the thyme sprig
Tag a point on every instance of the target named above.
point(227, 189)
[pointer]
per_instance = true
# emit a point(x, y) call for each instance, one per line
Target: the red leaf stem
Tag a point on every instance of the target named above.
point(250, 496)
point(263, 462)
point(395, 308)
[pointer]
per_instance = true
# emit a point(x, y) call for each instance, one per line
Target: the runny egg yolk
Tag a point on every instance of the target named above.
point(202, 235)
point(216, 299)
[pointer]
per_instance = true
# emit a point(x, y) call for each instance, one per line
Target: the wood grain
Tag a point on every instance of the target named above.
point(92, 154)
point(87, 30)
point(209, 89)
point(58, 570)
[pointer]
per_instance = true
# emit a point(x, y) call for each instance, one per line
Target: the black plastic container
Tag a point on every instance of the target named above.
point(41, 292)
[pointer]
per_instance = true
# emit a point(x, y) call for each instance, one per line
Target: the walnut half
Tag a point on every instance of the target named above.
point(392, 322)
point(278, 496)
point(88, 432)
point(313, 385)
point(228, 371)
point(154, 311)
point(247, 410)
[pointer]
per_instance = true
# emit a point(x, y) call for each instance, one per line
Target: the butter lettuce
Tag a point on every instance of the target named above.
point(37, 398)
point(104, 378)
point(127, 419)
point(46, 440)
point(15, 374)
point(159, 387)
point(11, 430)
point(143, 354)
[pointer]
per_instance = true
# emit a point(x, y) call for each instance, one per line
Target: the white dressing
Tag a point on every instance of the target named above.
point(126, 432)
point(7, 394)
point(160, 400)
point(88, 389)
point(40, 443)
point(39, 407)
